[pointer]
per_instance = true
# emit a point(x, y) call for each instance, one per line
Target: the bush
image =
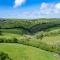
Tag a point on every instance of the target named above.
point(40, 36)
point(1, 40)
point(24, 41)
point(13, 40)
point(0, 32)
point(4, 56)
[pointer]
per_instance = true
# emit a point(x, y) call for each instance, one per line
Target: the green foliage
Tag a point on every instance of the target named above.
point(1, 40)
point(13, 40)
point(0, 31)
point(31, 26)
point(4, 56)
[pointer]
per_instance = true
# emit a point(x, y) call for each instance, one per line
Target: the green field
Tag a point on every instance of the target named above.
point(22, 52)
point(37, 39)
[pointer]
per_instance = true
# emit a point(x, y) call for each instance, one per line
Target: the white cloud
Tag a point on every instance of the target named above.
point(44, 6)
point(57, 6)
point(18, 3)
point(48, 8)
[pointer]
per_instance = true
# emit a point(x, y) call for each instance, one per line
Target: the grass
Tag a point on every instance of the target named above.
point(22, 52)
point(37, 39)
point(50, 43)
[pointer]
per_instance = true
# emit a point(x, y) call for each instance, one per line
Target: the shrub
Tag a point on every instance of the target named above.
point(13, 40)
point(4, 56)
point(40, 36)
point(0, 32)
point(1, 40)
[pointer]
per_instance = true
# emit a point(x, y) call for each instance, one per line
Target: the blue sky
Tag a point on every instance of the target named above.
point(29, 9)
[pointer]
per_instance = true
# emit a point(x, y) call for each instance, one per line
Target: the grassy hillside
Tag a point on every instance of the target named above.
point(22, 52)
point(36, 36)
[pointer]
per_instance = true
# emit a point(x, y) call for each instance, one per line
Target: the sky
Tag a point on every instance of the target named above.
point(29, 9)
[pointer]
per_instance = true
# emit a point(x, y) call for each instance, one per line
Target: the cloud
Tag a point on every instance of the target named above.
point(18, 3)
point(50, 8)
point(57, 6)
point(44, 6)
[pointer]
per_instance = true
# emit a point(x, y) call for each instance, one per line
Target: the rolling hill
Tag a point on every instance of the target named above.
point(37, 39)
